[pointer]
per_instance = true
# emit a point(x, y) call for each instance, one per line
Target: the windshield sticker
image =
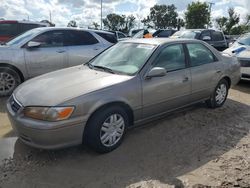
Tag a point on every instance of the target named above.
point(150, 47)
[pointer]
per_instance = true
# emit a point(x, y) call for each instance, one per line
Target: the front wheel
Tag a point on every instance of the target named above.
point(219, 95)
point(106, 129)
point(9, 80)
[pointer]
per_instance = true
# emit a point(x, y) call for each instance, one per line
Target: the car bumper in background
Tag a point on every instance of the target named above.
point(245, 68)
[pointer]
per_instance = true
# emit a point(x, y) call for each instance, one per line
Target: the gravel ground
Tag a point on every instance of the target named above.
point(198, 147)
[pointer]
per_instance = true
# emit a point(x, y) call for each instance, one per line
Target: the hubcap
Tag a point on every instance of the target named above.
point(221, 94)
point(112, 130)
point(7, 82)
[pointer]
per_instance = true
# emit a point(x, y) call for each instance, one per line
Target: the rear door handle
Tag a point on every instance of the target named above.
point(60, 51)
point(218, 71)
point(185, 79)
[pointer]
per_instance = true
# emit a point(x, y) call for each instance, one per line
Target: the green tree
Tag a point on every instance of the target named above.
point(96, 25)
point(180, 23)
point(114, 21)
point(221, 23)
point(72, 23)
point(129, 23)
point(162, 16)
point(118, 22)
point(229, 25)
point(233, 20)
point(197, 15)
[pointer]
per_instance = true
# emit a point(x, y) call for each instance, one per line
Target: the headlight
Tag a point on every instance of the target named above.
point(48, 113)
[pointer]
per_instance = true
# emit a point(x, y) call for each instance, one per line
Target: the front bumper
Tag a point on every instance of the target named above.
point(46, 135)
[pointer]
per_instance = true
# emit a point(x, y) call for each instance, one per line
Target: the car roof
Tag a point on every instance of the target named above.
point(70, 28)
point(158, 41)
point(201, 30)
point(24, 22)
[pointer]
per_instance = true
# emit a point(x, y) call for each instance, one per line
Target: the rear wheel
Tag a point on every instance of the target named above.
point(9, 80)
point(219, 96)
point(106, 129)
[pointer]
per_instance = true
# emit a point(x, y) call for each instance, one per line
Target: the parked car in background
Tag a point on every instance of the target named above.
point(213, 37)
point(119, 35)
point(140, 34)
point(164, 33)
point(129, 84)
point(108, 36)
point(43, 50)
point(134, 31)
point(11, 28)
point(241, 49)
point(231, 39)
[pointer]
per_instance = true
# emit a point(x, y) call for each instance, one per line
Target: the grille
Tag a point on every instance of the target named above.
point(15, 106)
point(245, 63)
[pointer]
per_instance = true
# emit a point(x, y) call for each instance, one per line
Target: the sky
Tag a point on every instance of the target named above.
point(85, 12)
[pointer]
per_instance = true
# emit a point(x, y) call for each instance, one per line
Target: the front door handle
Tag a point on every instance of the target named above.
point(185, 79)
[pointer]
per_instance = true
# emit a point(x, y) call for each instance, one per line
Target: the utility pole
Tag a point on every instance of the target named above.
point(210, 6)
point(101, 14)
point(210, 9)
point(50, 17)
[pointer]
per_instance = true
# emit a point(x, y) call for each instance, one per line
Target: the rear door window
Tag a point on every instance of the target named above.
point(205, 33)
point(79, 38)
point(199, 54)
point(217, 36)
point(25, 27)
point(8, 29)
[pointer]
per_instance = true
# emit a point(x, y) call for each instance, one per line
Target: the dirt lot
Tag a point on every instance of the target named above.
point(192, 147)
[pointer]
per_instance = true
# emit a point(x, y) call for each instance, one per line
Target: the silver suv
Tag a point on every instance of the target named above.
point(44, 50)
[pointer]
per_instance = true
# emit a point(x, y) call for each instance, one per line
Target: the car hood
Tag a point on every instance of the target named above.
point(240, 51)
point(57, 87)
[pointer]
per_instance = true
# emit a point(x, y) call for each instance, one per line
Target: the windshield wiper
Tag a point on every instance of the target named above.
point(101, 67)
point(240, 43)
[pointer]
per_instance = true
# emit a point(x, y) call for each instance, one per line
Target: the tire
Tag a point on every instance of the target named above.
point(219, 95)
point(9, 80)
point(101, 134)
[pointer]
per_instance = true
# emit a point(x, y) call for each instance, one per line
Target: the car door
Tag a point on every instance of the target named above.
point(161, 94)
point(205, 70)
point(51, 55)
point(82, 46)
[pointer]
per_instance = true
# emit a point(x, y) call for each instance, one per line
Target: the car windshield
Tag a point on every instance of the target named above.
point(19, 39)
point(244, 40)
point(123, 58)
point(185, 34)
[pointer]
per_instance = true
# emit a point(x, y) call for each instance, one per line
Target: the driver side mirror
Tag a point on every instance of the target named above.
point(32, 44)
point(206, 38)
point(156, 72)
